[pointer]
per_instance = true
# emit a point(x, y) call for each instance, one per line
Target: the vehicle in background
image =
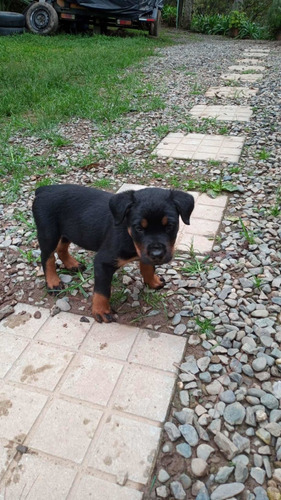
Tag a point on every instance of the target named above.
point(45, 17)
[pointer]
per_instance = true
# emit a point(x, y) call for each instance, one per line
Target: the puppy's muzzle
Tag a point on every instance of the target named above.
point(156, 253)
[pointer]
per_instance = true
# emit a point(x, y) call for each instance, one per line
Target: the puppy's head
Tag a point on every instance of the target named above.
point(152, 219)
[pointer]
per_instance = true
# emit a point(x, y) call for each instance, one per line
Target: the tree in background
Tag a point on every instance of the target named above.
point(185, 13)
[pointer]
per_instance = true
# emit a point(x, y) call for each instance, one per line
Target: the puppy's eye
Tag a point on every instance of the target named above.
point(139, 229)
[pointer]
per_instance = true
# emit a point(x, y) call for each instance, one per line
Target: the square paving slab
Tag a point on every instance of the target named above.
point(251, 61)
point(221, 112)
point(246, 68)
point(204, 224)
point(234, 92)
point(84, 398)
point(250, 77)
point(259, 49)
point(260, 55)
point(201, 147)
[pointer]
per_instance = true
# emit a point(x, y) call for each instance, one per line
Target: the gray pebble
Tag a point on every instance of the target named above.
point(63, 304)
point(184, 449)
point(234, 413)
point(177, 490)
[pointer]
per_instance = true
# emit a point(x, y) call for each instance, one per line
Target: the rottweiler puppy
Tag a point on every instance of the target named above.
point(120, 227)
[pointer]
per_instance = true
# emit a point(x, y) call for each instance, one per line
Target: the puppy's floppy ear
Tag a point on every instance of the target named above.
point(184, 203)
point(119, 205)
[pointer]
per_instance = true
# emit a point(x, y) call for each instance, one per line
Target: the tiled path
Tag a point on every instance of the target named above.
point(82, 404)
point(222, 112)
point(235, 92)
point(85, 399)
point(201, 147)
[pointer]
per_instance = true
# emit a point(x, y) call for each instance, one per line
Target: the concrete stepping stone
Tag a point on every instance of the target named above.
point(251, 61)
point(205, 221)
point(259, 49)
point(260, 55)
point(125, 407)
point(201, 147)
point(250, 77)
point(234, 92)
point(224, 113)
point(246, 68)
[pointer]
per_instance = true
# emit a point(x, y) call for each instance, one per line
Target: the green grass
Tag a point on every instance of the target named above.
point(49, 79)
point(102, 183)
point(125, 166)
point(45, 81)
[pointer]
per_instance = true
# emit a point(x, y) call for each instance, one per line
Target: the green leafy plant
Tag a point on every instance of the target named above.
point(28, 256)
point(236, 19)
point(80, 279)
point(195, 266)
point(247, 233)
point(205, 327)
point(258, 282)
point(263, 154)
point(210, 24)
point(235, 170)
point(169, 15)
point(196, 89)
point(223, 130)
point(252, 30)
point(220, 24)
point(214, 188)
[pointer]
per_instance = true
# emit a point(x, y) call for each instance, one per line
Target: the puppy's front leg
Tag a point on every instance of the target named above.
point(150, 278)
point(104, 271)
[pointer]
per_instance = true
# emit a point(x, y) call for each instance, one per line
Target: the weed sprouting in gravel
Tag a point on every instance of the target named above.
point(102, 183)
point(125, 166)
point(248, 234)
point(263, 154)
point(205, 327)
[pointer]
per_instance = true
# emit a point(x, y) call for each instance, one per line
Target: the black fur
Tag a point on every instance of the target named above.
point(134, 224)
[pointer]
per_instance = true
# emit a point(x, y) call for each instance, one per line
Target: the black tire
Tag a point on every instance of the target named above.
point(154, 28)
point(11, 31)
point(12, 20)
point(41, 19)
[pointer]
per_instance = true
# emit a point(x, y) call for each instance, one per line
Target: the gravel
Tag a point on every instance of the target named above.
point(224, 427)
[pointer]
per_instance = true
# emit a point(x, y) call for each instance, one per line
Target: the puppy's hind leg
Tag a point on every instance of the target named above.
point(53, 282)
point(69, 262)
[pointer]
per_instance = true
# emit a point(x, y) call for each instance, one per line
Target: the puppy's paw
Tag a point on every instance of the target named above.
point(156, 282)
point(74, 269)
point(104, 318)
point(101, 309)
point(55, 289)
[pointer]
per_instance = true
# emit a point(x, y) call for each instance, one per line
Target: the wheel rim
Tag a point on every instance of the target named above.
point(40, 19)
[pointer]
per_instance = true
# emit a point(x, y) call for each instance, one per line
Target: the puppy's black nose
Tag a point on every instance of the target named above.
point(156, 253)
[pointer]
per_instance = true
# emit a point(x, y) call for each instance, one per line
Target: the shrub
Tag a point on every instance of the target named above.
point(210, 25)
point(218, 24)
point(252, 30)
point(169, 15)
point(236, 19)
